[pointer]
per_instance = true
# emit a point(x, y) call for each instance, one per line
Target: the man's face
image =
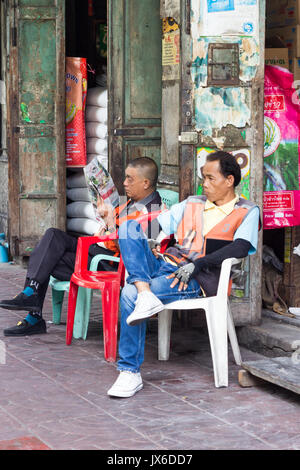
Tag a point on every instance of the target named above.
point(216, 187)
point(136, 186)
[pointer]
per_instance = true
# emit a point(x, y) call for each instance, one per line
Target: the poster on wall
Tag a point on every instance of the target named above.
point(240, 287)
point(221, 17)
point(242, 157)
point(281, 204)
point(170, 49)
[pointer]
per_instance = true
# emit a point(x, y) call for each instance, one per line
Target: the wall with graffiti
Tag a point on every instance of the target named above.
point(225, 21)
point(225, 60)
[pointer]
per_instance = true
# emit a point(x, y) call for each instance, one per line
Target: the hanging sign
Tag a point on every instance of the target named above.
point(170, 49)
point(226, 17)
point(281, 205)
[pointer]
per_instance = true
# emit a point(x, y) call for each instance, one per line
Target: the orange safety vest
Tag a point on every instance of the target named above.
point(111, 244)
point(190, 229)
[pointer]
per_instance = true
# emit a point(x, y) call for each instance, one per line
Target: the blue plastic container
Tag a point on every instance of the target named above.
point(3, 249)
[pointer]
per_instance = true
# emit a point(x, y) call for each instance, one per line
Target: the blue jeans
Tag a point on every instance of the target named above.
point(142, 265)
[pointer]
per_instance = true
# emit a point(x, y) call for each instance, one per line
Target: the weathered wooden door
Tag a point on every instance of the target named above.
point(135, 85)
point(179, 140)
point(36, 114)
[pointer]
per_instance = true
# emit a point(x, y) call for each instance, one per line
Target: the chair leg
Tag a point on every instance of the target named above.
point(164, 334)
point(57, 301)
point(110, 313)
point(82, 313)
point(71, 311)
point(233, 338)
point(87, 310)
point(216, 317)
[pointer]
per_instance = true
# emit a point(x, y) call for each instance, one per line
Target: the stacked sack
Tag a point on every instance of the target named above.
point(80, 212)
point(96, 125)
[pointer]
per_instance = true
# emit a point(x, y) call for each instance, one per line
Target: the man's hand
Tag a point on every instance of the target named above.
point(106, 212)
point(182, 275)
point(100, 232)
point(154, 247)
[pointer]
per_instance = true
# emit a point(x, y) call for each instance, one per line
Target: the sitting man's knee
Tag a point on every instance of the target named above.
point(52, 232)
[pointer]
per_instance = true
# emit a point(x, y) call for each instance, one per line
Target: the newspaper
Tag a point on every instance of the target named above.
point(100, 185)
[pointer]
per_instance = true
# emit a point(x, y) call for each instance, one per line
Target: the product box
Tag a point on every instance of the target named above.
point(277, 56)
point(282, 13)
point(290, 36)
point(76, 90)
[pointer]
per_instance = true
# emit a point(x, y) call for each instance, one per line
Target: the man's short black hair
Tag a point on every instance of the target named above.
point(228, 164)
point(148, 167)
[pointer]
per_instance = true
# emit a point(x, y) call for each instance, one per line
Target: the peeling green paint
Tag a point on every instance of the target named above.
point(217, 107)
point(45, 145)
point(24, 112)
point(248, 59)
point(38, 75)
point(28, 97)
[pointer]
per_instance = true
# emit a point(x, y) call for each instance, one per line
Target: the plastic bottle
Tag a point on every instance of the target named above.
point(3, 249)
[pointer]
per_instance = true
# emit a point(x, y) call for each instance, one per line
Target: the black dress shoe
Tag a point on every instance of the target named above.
point(23, 328)
point(22, 302)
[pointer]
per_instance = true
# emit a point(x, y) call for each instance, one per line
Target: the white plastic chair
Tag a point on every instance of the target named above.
point(219, 323)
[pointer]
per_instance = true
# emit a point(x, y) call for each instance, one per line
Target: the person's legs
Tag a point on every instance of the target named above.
point(138, 259)
point(141, 266)
point(43, 259)
point(54, 255)
point(132, 338)
point(47, 254)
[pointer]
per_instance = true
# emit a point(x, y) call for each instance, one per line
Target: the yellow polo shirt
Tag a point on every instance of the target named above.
point(213, 214)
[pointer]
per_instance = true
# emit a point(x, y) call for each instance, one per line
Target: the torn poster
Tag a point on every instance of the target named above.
point(242, 157)
point(225, 17)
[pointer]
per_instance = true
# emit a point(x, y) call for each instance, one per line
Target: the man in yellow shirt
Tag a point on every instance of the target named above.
point(214, 214)
point(207, 230)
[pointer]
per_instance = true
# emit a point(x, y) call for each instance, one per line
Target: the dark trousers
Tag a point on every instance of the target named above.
point(55, 255)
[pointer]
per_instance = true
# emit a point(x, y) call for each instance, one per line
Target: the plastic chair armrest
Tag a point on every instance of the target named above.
point(225, 275)
point(83, 245)
point(97, 258)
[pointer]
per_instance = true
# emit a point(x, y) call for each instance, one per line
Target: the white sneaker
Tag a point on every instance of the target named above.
point(146, 305)
point(126, 385)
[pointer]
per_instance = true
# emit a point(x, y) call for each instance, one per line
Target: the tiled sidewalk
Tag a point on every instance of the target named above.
point(53, 396)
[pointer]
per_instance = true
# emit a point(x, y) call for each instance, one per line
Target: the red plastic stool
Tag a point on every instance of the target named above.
point(109, 282)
